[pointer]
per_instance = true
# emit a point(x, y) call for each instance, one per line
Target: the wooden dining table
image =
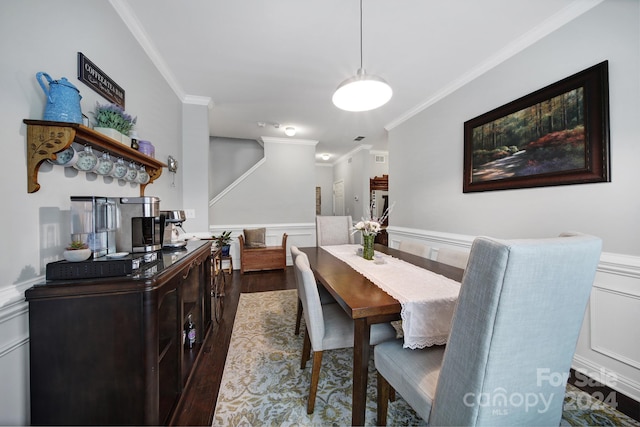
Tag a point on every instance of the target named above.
point(366, 304)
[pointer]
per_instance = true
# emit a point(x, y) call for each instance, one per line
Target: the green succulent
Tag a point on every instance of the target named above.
point(77, 245)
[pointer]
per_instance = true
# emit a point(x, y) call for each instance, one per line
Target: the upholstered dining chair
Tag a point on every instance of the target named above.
point(415, 248)
point(513, 335)
point(455, 257)
point(328, 327)
point(325, 296)
point(333, 230)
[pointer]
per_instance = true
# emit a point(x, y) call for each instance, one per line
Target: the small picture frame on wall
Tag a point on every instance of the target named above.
point(557, 135)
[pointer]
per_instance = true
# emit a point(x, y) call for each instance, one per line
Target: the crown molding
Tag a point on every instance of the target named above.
point(551, 24)
point(133, 24)
point(198, 100)
point(291, 141)
point(360, 147)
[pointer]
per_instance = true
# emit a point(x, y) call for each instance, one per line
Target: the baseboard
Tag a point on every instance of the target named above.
point(606, 394)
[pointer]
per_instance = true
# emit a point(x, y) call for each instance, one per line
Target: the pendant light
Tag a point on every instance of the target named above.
point(362, 92)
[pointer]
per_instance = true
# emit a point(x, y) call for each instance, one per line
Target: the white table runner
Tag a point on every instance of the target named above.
point(427, 299)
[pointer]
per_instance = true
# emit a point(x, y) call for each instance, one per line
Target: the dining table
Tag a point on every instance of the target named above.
point(367, 304)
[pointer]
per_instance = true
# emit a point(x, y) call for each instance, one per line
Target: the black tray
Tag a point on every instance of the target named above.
point(89, 269)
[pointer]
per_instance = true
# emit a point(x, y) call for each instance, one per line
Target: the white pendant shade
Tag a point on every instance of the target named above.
point(362, 92)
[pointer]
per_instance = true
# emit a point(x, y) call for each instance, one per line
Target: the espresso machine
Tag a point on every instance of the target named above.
point(140, 228)
point(172, 238)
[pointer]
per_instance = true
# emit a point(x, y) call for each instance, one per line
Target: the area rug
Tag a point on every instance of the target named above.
point(262, 383)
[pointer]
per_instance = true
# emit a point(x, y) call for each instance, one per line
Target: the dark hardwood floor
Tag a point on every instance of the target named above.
point(202, 391)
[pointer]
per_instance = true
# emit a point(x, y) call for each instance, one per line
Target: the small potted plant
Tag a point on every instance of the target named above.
point(112, 117)
point(77, 251)
point(223, 241)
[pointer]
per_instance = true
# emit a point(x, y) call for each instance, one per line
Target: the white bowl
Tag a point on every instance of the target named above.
point(77, 255)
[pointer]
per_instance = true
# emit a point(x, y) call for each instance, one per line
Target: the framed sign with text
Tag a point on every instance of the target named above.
point(96, 79)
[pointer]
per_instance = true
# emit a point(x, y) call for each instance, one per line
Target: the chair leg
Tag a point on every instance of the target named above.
point(298, 317)
point(315, 377)
point(306, 349)
point(383, 399)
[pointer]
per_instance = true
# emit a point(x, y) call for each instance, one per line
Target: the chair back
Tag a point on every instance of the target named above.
point(333, 230)
point(294, 253)
point(415, 248)
point(514, 331)
point(308, 294)
point(454, 257)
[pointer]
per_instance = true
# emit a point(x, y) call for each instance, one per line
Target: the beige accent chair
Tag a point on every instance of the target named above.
point(325, 296)
point(333, 230)
point(454, 257)
point(415, 248)
point(328, 326)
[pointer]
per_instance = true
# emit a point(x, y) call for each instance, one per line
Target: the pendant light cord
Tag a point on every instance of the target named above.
point(360, 34)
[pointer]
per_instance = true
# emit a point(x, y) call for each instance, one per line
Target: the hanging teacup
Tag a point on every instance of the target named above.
point(143, 176)
point(87, 161)
point(132, 173)
point(105, 165)
point(120, 169)
point(66, 157)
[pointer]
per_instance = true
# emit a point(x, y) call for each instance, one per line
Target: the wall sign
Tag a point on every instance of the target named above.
point(96, 79)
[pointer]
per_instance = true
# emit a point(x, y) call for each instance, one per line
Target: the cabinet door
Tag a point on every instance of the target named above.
point(87, 359)
point(170, 342)
point(196, 305)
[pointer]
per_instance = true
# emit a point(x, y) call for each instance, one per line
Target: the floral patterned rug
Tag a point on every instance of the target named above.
point(262, 383)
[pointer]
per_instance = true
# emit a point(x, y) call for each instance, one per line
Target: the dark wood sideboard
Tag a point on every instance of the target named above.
point(110, 351)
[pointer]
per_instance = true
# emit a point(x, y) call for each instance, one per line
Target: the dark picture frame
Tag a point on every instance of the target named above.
point(557, 135)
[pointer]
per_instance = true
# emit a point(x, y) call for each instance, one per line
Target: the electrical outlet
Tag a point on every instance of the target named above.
point(190, 213)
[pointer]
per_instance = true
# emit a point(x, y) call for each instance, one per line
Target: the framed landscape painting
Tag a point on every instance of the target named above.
point(555, 136)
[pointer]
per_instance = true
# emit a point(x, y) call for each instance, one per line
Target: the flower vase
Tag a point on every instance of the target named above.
point(367, 243)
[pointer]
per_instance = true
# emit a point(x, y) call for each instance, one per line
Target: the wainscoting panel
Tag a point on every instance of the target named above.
point(14, 354)
point(614, 325)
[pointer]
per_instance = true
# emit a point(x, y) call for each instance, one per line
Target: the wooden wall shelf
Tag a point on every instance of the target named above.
point(45, 139)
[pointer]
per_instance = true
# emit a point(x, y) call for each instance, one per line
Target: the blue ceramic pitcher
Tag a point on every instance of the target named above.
point(63, 100)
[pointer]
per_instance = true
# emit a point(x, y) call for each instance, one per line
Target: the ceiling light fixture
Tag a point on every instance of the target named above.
point(290, 131)
point(362, 92)
point(326, 156)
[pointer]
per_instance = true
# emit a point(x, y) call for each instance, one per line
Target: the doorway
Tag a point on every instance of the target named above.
point(338, 198)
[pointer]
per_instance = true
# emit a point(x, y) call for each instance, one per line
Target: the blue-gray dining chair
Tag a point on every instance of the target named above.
point(513, 335)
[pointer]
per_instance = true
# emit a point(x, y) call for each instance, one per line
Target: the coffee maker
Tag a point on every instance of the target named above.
point(140, 227)
point(172, 221)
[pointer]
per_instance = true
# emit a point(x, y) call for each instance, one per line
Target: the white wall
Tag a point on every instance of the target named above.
point(195, 151)
point(280, 189)
point(324, 180)
point(229, 158)
point(45, 36)
point(426, 177)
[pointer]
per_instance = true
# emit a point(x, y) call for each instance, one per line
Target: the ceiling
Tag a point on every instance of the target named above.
point(280, 61)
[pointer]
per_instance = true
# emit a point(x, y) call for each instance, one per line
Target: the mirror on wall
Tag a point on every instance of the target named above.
point(379, 188)
point(379, 194)
point(379, 202)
